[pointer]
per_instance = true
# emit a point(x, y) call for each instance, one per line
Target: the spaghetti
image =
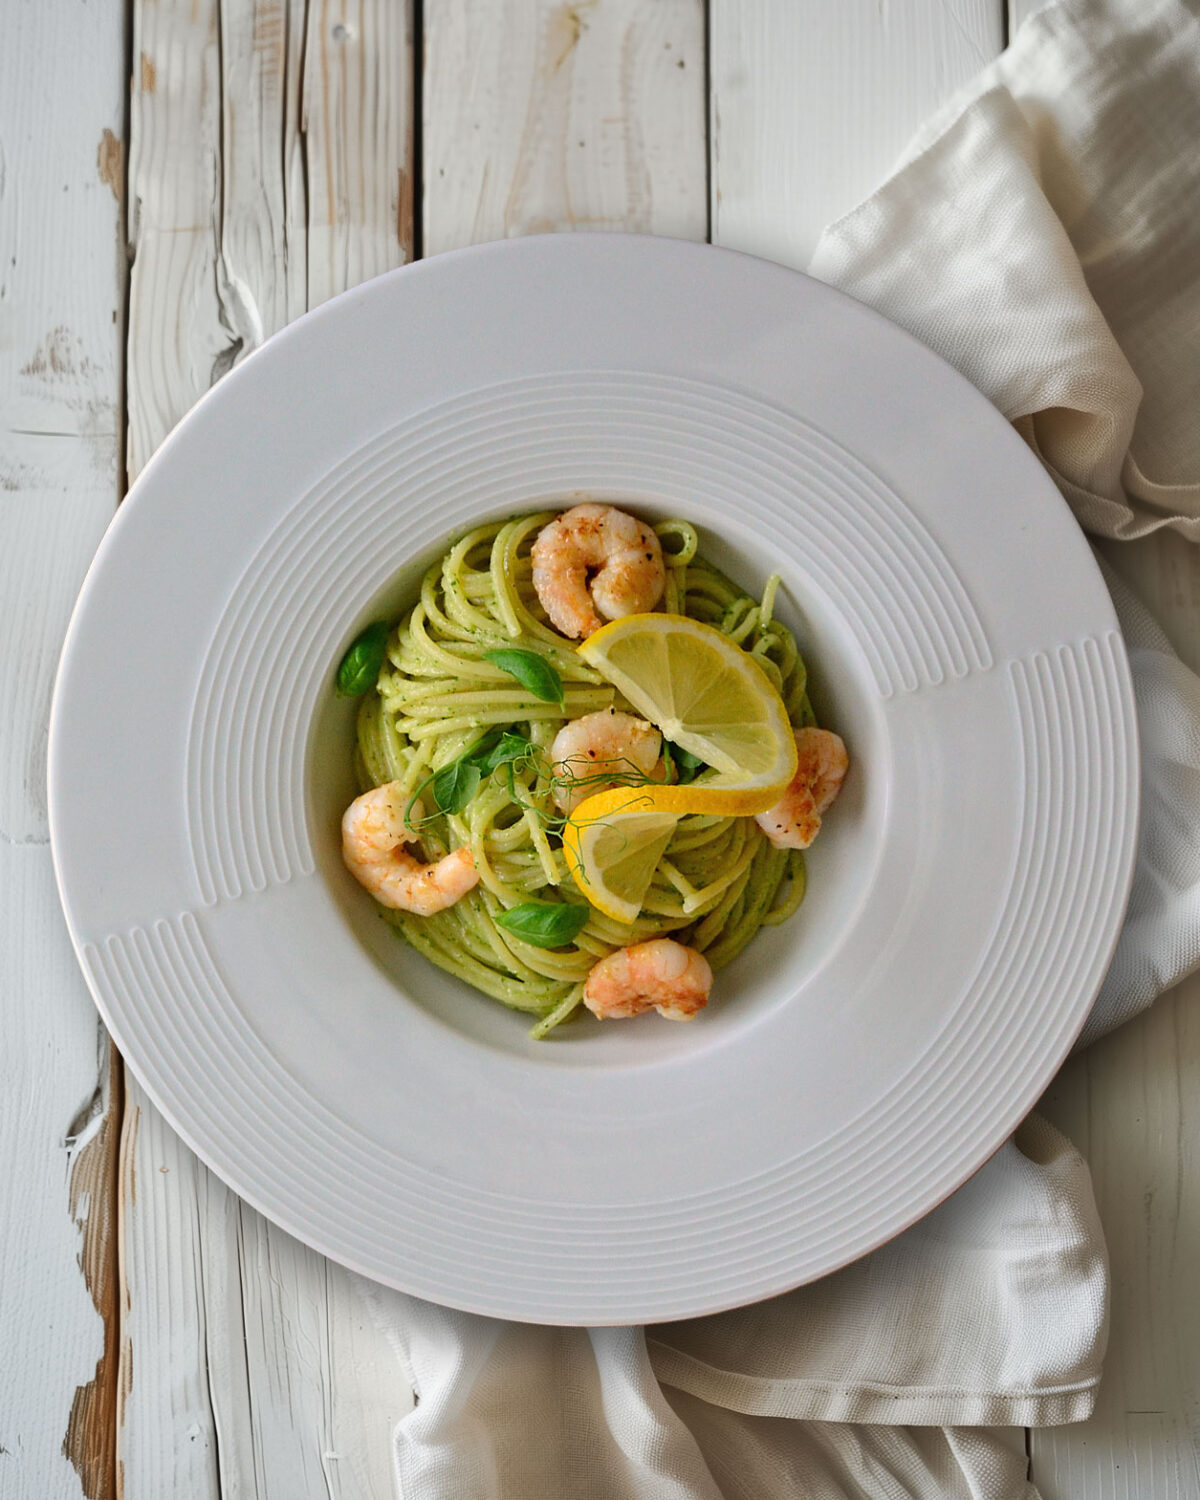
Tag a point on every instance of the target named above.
point(437, 694)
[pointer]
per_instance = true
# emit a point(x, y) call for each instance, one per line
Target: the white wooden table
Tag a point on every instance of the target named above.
point(178, 179)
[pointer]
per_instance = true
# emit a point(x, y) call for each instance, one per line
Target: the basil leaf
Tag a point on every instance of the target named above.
point(508, 748)
point(360, 666)
point(531, 671)
point(455, 785)
point(482, 748)
point(545, 924)
point(687, 765)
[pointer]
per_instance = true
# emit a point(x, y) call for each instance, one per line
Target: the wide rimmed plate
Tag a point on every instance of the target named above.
point(859, 1062)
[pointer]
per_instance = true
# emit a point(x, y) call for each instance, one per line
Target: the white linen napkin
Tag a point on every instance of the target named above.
point(1043, 234)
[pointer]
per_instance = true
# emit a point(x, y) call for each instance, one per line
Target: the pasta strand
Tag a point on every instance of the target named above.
point(720, 879)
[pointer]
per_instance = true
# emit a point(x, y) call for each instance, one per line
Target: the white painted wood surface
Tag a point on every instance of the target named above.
point(270, 166)
point(251, 1366)
point(812, 103)
point(61, 322)
point(543, 116)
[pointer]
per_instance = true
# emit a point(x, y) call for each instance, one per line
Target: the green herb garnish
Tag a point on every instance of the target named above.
point(360, 666)
point(454, 785)
point(545, 924)
point(509, 747)
point(531, 671)
point(687, 765)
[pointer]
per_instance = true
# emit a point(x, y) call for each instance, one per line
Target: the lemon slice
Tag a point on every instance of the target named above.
point(709, 696)
point(613, 842)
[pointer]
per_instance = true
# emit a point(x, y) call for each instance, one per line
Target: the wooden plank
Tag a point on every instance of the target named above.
point(270, 146)
point(812, 103)
point(254, 1367)
point(544, 116)
point(167, 1437)
point(62, 276)
point(1132, 1104)
point(270, 168)
point(261, 259)
point(180, 336)
point(358, 124)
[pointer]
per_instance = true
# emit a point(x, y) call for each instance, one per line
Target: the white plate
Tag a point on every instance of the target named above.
point(857, 1063)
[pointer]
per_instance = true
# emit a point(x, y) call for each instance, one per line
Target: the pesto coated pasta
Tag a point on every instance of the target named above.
point(439, 698)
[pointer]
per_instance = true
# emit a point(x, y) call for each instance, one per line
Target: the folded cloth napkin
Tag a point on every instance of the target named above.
point(1042, 234)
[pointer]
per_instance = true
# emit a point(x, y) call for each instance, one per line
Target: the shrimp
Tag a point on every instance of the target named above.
point(621, 554)
point(662, 975)
point(600, 745)
point(795, 819)
point(374, 833)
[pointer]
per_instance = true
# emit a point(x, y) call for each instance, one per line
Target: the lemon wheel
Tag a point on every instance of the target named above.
point(708, 696)
point(613, 843)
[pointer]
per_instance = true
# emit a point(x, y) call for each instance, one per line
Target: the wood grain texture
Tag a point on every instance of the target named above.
point(255, 1369)
point(90, 1442)
point(544, 116)
point(270, 167)
point(61, 315)
point(1132, 1105)
point(812, 103)
point(180, 336)
point(358, 132)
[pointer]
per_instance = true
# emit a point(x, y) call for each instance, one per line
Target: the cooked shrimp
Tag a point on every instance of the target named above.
point(795, 819)
point(620, 553)
point(374, 834)
point(662, 975)
point(600, 745)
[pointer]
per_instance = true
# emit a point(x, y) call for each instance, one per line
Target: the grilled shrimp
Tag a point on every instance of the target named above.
point(795, 819)
point(374, 834)
point(599, 745)
point(618, 553)
point(662, 975)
